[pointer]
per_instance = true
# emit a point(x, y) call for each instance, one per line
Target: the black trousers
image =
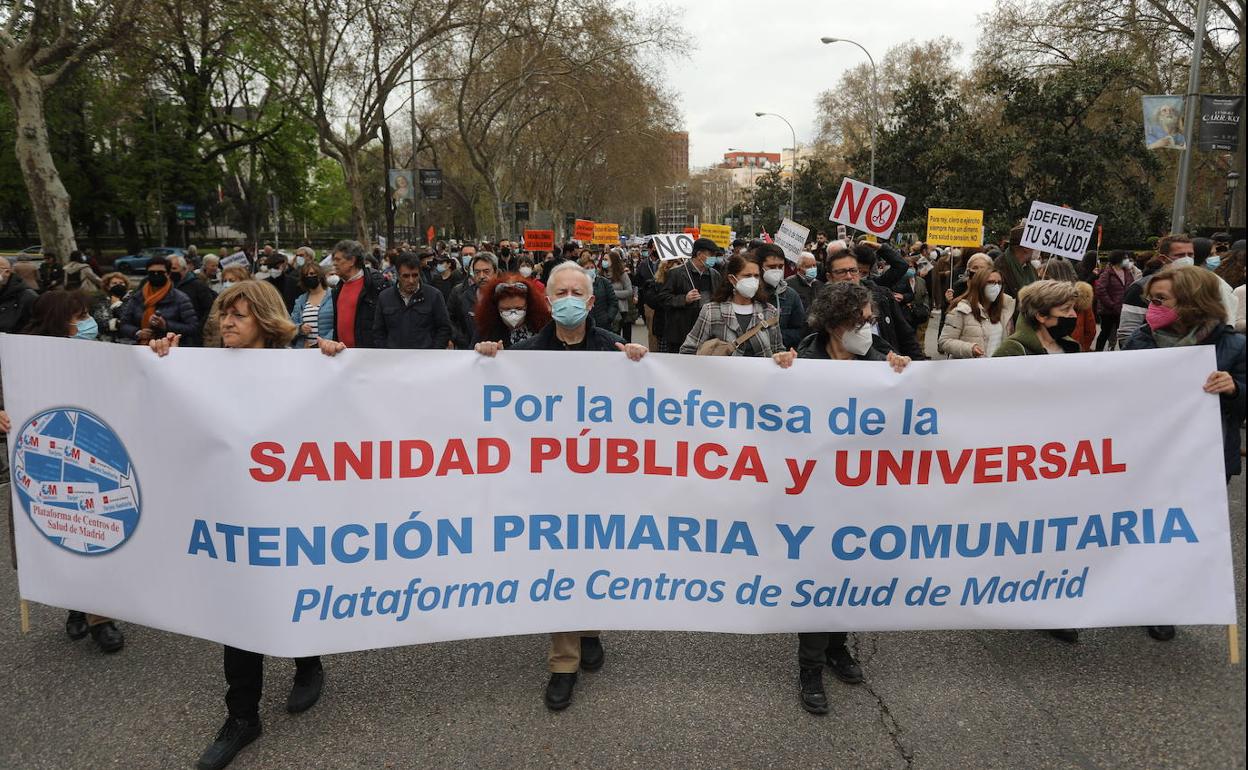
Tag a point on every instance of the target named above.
point(1109, 332)
point(244, 679)
point(812, 648)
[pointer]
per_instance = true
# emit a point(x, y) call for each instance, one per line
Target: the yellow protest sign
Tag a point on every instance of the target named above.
point(954, 227)
point(721, 234)
point(606, 234)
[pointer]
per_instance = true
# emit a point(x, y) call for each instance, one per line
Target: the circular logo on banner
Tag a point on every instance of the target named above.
point(75, 481)
point(882, 213)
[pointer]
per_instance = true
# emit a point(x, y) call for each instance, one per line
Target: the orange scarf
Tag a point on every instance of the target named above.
point(152, 298)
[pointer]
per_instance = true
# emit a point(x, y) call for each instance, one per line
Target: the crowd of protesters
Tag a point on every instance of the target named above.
point(837, 300)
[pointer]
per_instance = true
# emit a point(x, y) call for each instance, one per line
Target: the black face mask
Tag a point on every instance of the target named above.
point(117, 290)
point(157, 279)
point(1063, 328)
point(311, 282)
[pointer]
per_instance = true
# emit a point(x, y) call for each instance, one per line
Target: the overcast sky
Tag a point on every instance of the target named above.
point(770, 50)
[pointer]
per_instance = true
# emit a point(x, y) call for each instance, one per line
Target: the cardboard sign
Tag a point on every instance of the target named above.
point(606, 234)
point(583, 230)
point(237, 258)
point(792, 238)
point(955, 227)
point(1058, 230)
point(873, 210)
point(721, 234)
point(539, 240)
point(673, 245)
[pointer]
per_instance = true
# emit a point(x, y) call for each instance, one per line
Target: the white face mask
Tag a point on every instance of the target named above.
point(1037, 264)
point(333, 280)
point(1183, 262)
point(747, 287)
point(512, 318)
point(773, 277)
point(526, 271)
point(857, 341)
point(992, 291)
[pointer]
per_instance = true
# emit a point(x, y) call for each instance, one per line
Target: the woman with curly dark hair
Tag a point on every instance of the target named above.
point(842, 315)
point(511, 309)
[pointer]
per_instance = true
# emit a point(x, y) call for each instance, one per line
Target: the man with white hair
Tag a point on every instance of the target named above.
point(806, 282)
point(187, 281)
point(210, 273)
point(570, 293)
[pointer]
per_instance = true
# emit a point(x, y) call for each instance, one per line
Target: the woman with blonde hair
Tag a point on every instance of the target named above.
point(1046, 319)
point(979, 319)
point(1060, 269)
point(252, 316)
point(230, 276)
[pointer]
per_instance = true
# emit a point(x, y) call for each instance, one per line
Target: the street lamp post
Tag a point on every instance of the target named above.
point(1232, 183)
point(793, 173)
point(875, 94)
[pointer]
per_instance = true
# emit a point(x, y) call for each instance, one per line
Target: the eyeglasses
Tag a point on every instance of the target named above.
point(519, 286)
point(1158, 301)
point(843, 272)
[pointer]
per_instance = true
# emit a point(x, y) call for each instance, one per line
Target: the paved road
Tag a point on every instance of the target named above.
point(931, 700)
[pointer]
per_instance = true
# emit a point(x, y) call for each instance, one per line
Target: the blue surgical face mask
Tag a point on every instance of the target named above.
point(910, 273)
point(466, 259)
point(712, 261)
point(88, 329)
point(812, 273)
point(591, 272)
point(569, 312)
point(1214, 262)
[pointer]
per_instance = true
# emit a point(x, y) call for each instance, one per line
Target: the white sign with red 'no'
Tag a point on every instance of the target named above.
point(864, 207)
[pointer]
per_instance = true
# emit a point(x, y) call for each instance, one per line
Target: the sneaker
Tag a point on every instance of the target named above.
point(592, 654)
point(842, 663)
point(306, 691)
point(234, 736)
point(1067, 635)
point(1160, 633)
point(76, 625)
point(108, 636)
point(559, 691)
point(810, 682)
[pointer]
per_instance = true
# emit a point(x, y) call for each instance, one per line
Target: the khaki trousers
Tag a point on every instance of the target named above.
point(565, 651)
point(653, 340)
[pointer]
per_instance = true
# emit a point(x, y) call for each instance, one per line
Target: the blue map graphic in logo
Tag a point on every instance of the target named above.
point(75, 481)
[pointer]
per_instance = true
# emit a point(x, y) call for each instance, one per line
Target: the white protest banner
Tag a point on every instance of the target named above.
point(870, 209)
point(548, 492)
point(792, 238)
point(237, 258)
point(1058, 230)
point(673, 245)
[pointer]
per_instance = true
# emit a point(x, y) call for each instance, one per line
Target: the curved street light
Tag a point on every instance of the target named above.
point(875, 93)
point(793, 174)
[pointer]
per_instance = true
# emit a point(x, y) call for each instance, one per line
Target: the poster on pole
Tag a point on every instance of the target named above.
point(673, 246)
point(431, 183)
point(1163, 122)
point(721, 234)
point(583, 230)
point(792, 238)
point(237, 258)
point(539, 240)
point(401, 188)
point(605, 234)
point(955, 227)
point(867, 208)
point(1219, 123)
point(1058, 230)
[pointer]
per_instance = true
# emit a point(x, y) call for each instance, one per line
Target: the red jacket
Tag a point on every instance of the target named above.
point(1110, 289)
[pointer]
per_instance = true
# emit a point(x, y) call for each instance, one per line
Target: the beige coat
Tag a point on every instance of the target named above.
point(962, 332)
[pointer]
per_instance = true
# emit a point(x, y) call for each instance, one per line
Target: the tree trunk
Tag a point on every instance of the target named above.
point(48, 198)
point(387, 153)
point(359, 214)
